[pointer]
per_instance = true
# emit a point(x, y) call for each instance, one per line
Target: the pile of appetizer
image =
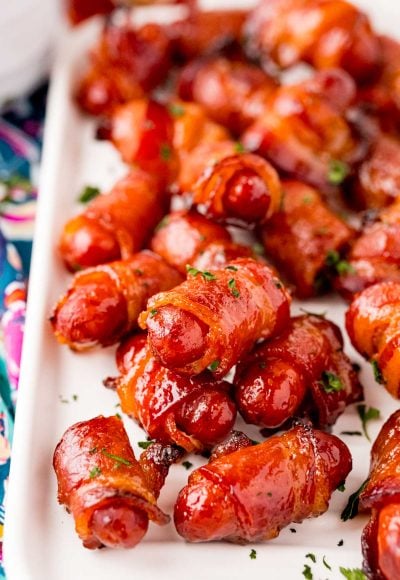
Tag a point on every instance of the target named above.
point(202, 114)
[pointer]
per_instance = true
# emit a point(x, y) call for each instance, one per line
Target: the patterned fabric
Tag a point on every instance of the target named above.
point(20, 143)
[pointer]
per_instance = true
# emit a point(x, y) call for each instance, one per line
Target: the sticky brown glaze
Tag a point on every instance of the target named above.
point(378, 178)
point(300, 237)
point(304, 130)
point(215, 318)
point(192, 412)
point(323, 33)
point(288, 376)
point(375, 255)
point(251, 494)
point(142, 131)
point(372, 322)
point(110, 494)
point(102, 304)
point(115, 225)
point(124, 64)
point(233, 93)
point(381, 495)
point(202, 32)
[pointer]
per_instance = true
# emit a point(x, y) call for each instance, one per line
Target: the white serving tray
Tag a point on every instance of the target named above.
point(40, 542)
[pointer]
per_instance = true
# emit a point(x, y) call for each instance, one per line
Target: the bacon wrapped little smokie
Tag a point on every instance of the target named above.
point(205, 32)
point(103, 303)
point(323, 33)
point(302, 371)
point(110, 494)
point(232, 93)
point(373, 325)
point(377, 181)
point(250, 494)
point(214, 318)
point(301, 237)
point(192, 412)
point(187, 238)
point(381, 495)
point(124, 64)
point(375, 255)
point(305, 133)
point(114, 226)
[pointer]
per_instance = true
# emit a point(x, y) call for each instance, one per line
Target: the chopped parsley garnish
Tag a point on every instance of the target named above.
point(253, 555)
point(307, 573)
point(367, 414)
point(92, 450)
point(258, 249)
point(162, 223)
point(176, 110)
point(307, 200)
point(116, 458)
point(208, 276)
point(63, 400)
point(88, 193)
point(353, 574)
point(74, 397)
point(153, 312)
point(325, 563)
point(377, 372)
point(95, 472)
point(187, 464)
point(278, 284)
point(165, 152)
point(311, 557)
point(351, 509)
point(333, 260)
point(341, 487)
point(138, 272)
point(340, 543)
point(214, 365)
point(239, 147)
point(330, 382)
point(351, 433)
point(338, 171)
point(232, 287)
point(118, 415)
point(145, 444)
point(233, 268)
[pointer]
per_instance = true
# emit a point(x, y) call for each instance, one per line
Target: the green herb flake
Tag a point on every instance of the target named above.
point(343, 267)
point(351, 509)
point(153, 312)
point(144, 444)
point(253, 554)
point(311, 557)
point(307, 573)
point(352, 574)
point(214, 365)
point(340, 543)
point(187, 464)
point(325, 563)
point(176, 110)
point(367, 414)
point(118, 415)
point(92, 450)
point(88, 193)
point(258, 249)
point(351, 433)
point(208, 276)
point(164, 222)
point(341, 487)
point(307, 200)
point(138, 272)
point(232, 287)
point(377, 372)
point(165, 152)
point(74, 397)
point(95, 472)
point(63, 400)
point(338, 171)
point(278, 284)
point(116, 458)
point(330, 382)
point(233, 268)
point(239, 147)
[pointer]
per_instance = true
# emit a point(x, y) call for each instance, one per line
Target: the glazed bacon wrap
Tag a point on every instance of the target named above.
point(251, 494)
point(324, 33)
point(302, 371)
point(239, 304)
point(373, 325)
point(192, 412)
point(381, 494)
point(300, 237)
point(110, 494)
point(375, 255)
point(103, 304)
point(187, 237)
point(113, 226)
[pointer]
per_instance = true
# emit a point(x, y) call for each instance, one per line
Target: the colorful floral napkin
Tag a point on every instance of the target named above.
point(20, 142)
